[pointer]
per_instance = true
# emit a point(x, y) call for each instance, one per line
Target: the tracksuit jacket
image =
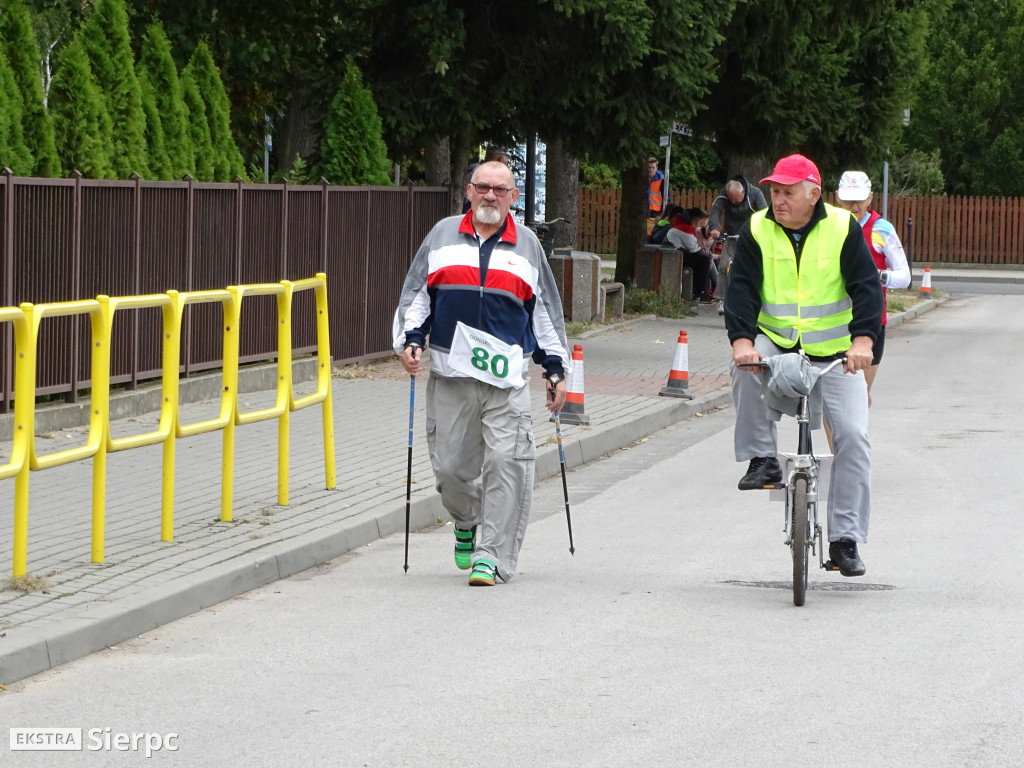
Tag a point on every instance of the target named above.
point(502, 286)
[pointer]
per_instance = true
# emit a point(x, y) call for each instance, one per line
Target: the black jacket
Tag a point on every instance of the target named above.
point(729, 218)
point(746, 277)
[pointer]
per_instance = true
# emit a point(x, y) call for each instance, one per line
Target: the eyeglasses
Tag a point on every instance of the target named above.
point(483, 189)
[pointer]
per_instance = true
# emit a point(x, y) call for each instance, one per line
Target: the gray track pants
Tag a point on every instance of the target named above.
point(728, 251)
point(482, 449)
point(845, 402)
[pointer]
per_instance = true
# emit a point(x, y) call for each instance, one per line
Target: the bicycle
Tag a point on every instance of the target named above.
point(541, 229)
point(800, 489)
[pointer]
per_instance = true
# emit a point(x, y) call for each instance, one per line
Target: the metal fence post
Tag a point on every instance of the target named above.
point(190, 217)
point(137, 286)
point(910, 248)
point(76, 280)
point(238, 230)
point(6, 349)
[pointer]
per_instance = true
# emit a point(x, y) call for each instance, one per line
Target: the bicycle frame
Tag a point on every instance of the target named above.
point(800, 492)
point(804, 463)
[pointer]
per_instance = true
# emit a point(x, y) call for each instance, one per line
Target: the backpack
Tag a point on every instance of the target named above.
point(657, 236)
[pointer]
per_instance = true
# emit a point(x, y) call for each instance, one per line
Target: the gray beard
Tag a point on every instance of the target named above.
point(487, 215)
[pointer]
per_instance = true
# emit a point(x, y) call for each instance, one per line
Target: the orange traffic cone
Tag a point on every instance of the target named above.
point(926, 281)
point(572, 412)
point(679, 376)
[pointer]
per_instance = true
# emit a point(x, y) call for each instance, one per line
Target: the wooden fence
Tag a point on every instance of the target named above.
point(71, 239)
point(951, 230)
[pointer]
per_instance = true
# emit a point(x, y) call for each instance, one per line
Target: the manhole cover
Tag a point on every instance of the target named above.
point(822, 586)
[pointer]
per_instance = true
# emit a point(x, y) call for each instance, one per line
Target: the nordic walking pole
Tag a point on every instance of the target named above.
point(408, 476)
point(565, 487)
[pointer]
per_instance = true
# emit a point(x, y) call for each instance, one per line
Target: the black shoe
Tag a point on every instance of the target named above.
point(704, 298)
point(764, 470)
point(844, 556)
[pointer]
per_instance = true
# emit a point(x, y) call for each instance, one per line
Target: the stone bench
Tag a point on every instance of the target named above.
point(660, 269)
point(617, 291)
point(577, 276)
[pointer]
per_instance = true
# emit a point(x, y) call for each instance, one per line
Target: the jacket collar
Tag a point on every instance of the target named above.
point(507, 236)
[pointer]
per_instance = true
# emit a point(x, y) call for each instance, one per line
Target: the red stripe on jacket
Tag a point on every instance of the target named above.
point(497, 278)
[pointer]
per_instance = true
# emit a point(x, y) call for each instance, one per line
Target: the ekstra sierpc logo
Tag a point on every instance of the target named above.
point(46, 739)
point(93, 740)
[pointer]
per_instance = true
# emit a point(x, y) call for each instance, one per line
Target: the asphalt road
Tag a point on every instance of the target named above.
point(669, 639)
point(965, 288)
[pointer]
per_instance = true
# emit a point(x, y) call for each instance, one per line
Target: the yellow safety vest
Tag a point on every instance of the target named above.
point(809, 305)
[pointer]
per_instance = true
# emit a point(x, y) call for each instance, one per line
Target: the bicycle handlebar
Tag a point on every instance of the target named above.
point(763, 364)
point(546, 223)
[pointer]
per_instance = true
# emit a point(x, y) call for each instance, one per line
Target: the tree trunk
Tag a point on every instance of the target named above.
point(300, 133)
point(752, 168)
point(632, 220)
point(438, 160)
point(563, 193)
point(459, 166)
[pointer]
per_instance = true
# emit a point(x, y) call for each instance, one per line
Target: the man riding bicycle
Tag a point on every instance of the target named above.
point(803, 278)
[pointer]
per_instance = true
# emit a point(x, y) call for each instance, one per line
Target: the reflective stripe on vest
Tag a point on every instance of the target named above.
point(809, 305)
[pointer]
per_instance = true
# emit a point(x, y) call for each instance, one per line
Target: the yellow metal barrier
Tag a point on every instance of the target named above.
point(26, 321)
point(318, 285)
point(25, 388)
point(24, 407)
point(227, 400)
point(168, 404)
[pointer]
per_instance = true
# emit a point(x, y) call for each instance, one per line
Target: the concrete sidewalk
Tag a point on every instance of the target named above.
point(145, 582)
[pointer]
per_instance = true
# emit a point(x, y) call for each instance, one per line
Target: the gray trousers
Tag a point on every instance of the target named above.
point(728, 249)
point(482, 450)
point(845, 404)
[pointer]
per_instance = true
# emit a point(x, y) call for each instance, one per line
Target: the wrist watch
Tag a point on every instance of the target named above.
point(554, 378)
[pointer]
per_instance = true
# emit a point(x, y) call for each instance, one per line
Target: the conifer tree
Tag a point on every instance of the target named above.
point(199, 129)
point(227, 160)
point(352, 150)
point(81, 124)
point(156, 146)
point(157, 65)
point(104, 38)
point(19, 43)
point(13, 152)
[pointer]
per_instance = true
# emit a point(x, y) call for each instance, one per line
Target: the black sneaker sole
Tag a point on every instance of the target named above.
point(766, 487)
point(830, 565)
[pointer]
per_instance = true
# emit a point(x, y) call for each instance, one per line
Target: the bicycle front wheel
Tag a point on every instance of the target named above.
point(799, 541)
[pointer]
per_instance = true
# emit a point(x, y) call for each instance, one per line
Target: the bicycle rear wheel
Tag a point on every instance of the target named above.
point(799, 541)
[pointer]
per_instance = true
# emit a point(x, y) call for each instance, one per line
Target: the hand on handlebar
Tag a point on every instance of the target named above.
point(745, 356)
point(859, 355)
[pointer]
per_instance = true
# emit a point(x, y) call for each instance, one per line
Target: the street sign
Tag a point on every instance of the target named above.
point(682, 128)
point(663, 141)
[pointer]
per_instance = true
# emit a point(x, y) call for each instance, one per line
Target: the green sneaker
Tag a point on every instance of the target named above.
point(465, 543)
point(483, 574)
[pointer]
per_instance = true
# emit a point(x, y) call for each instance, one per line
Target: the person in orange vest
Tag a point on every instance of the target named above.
point(655, 190)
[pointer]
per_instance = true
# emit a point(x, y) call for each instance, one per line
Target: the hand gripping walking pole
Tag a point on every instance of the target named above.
point(565, 487)
point(408, 476)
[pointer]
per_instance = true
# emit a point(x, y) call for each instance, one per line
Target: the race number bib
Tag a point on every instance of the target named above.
point(485, 358)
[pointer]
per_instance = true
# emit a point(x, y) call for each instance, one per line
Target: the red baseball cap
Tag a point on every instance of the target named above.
point(792, 170)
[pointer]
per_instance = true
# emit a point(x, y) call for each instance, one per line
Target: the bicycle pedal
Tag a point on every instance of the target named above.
point(830, 566)
point(774, 486)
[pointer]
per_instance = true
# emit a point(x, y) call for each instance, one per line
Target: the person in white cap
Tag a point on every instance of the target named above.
point(854, 194)
point(802, 278)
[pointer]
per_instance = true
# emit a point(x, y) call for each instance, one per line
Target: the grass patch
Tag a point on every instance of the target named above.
point(573, 328)
point(28, 583)
point(640, 301)
point(358, 370)
point(901, 300)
